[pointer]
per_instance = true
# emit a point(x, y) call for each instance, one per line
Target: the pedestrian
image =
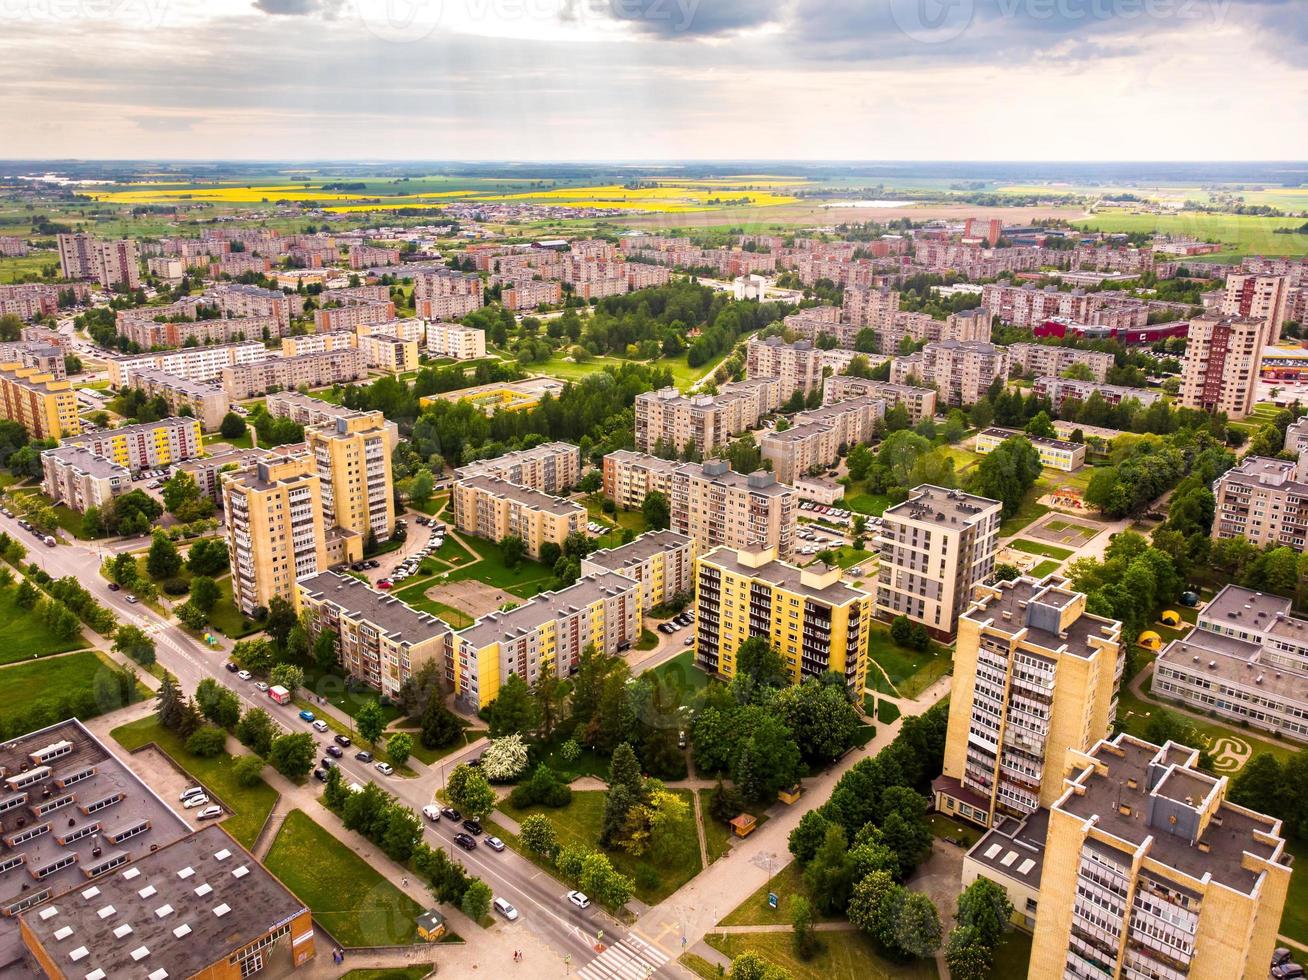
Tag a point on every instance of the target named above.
point(404, 882)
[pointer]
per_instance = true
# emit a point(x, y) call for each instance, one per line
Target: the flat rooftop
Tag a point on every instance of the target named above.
point(188, 905)
point(1012, 608)
point(1238, 608)
point(647, 460)
point(397, 620)
point(720, 472)
point(88, 462)
point(995, 432)
point(543, 451)
point(1123, 812)
point(634, 552)
point(1234, 662)
point(786, 576)
point(90, 775)
point(545, 607)
point(1015, 849)
point(938, 505)
point(523, 495)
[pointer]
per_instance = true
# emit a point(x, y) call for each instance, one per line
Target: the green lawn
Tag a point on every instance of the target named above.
point(1044, 568)
point(718, 835)
point(249, 806)
point(244, 441)
point(69, 677)
point(433, 506)
point(1013, 957)
point(24, 637)
point(405, 973)
point(588, 763)
point(1244, 234)
point(699, 966)
point(1028, 510)
point(1133, 715)
point(431, 756)
point(569, 370)
point(867, 503)
point(528, 579)
point(754, 911)
point(943, 826)
point(579, 823)
point(348, 897)
point(330, 684)
point(682, 673)
point(887, 712)
point(27, 268)
point(416, 596)
point(225, 617)
point(911, 671)
point(1040, 548)
point(843, 956)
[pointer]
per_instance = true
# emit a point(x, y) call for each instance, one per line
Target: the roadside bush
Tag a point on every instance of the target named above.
point(249, 770)
point(207, 742)
point(176, 586)
point(543, 788)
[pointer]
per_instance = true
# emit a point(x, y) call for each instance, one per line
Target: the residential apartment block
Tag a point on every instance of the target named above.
point(208, 471)
point(1035, 675)
point(816, 622)
point(456, 341)
point(242, 381)
point(1041, 360)
point(961, 372)
point(521, 293)
point(78, 478)
point(1264, 500)
point(552, 468)
point(352, 315)
point(1150, 871)
point(310, 411)
point(388, 353)
point(1054, 453)
point(45, 407)
point(352, 454)
point(815, 438)
point(191, 363)
point(380, 640)
point(920, 402)
point(1246, 660)
point(445, 294)
point(1060, 390)
point(798, 366)
point(115, 263)
point(629, 476)
point(206, 402)
point(663, 562)
point(545, 635)
point(668, 419)
point(1258, 297)
point(1223, 356)
point(149, 335)
point(318, 343)
point(936, 547)
point(492, 508)
point(717, 506)
point(146, 445)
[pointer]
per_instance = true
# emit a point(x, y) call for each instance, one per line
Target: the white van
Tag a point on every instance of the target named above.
point(505, 909)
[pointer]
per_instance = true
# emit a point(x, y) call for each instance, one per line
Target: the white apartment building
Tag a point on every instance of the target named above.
point(629, 476)
point(192, 363)
point(667, 419)
point(920, 402)
point(1041, 360)
point(456, 341)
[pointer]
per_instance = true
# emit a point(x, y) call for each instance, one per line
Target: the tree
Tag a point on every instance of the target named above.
point(1007, 473)
point(801, 921)
point(538, 835)
point(808, 836)
point(163, 560)
point(191, 616)
point(476, 900)
point(204, 593)
point(233, 426)
point(751, 966)
point(168, 702)
point(917, 926)
point(759, 662)
point(470, 791)
point(27, 595)
point(208, 556)
point(399, 747)
point(439, 726)
point(248, 770)
point(505, 759)
point(1041, 426)
point(206, 742)
point(514, 709)
point(132, 641)
point(370, 721)
point(292, 755)
point(821, 718)
point(656, 510)
point(591, 481)
point(985, 907)
point(618, 804)
point(550, 691)
point(324, 650)
point(829, 876)
point(512, 549)
point(624, 770)
point(968, 956)
point(288, 676)
point(280, 621)
point(873, 906)
point(182, 496)
point(421, 487)
point(401, 833)
point(256, 730)
point(767, 761)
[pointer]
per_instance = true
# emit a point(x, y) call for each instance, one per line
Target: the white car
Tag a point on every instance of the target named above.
point(579, 899)
point(191, 802)
point(132, 599)
point(261, 687)
point(384, 768)
point(244, 675)
point(505, 909)
point(319, 725)
point(191, 791)
point(432, 812)
point(209, 813)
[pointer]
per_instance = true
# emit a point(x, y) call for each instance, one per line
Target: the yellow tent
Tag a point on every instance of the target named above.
point(1150, 640)
point(1170, 618)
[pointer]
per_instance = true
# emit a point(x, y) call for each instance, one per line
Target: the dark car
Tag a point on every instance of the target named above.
point(343, 740)
point(1280, 955)
point(328, 763)
point(334, 751)
point(363, 756)
point(472, 827)
point(1289, 970)
point(231, 667)
point(114, 586)
point(320, 775)
point(449, 813)
point(465, 841)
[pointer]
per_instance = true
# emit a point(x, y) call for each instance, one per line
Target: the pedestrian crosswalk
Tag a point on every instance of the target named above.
point(630, 959)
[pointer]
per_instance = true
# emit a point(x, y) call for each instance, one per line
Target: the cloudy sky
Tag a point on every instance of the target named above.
point(655, 79)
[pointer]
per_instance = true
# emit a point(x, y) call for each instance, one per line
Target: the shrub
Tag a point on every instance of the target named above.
point(249, 770)
point(176, 586)
point(207, 742)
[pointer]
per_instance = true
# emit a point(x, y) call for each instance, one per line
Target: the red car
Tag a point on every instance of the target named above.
point(384, 584)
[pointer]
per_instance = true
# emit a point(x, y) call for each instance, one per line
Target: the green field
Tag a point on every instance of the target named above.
point(348, 897)
point(681, 672)
point(754, 911)
point(24, 637)
point(1044, 568)
point(844, 955)
point(910, 671)
point(1041, 549)
point(249, 806)
point(69, 676)
point(27, 268)
point(1243, 234)
point(529, 578)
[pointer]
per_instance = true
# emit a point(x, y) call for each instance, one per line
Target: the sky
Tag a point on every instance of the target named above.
point(645, 80)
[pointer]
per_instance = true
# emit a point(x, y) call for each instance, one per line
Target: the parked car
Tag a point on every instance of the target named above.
point(449, 813)
point(384, 768)
point(307, 715)
point(319, 725)
point(320, 775)
point(261, 687)
point(132, 599)
point(466, 841)
point(432, 812)
point(343, 740)
point(1280, 955)
point(244, 675)
point(1287, 971)
point(363, 755)
point(504, 908)
point(385, 584)
point(191, 791)
point(191, 802)
point(114, 586)
point(231, 667)
point(495, 844)
point(579, 899)
point(688, 641)
point(328, 763)
point(335, 751)
point(209, 812)
point(472, 826)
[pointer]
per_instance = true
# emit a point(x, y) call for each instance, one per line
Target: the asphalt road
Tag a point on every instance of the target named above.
point(539, 898)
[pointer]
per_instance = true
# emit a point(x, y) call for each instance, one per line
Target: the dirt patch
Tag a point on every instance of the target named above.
point(474, 598)
point(938, 877)
point(1063, 531)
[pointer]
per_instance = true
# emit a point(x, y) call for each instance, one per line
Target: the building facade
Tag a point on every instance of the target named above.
point(667, 419)
point(44, 406)
point(1220, 369)
point(920, 402)
point(79, 478)
point(1264, 500)
point(456, 341)
point(962, 372)
point(352, 454)
point(629, 476)
point(663, 562)
point(146, 445)
point(1039, 360)
point(492, 508)
point(1054, 453)
point(717, 506)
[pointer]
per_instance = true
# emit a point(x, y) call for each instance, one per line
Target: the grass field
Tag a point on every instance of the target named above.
point(352, 901)
point(225, 617)
point(1133, 715)
point(24, 637)
point(579, 823)
point(911, 671)
point(1029, 510)
point(867, 503)
point(1044, 568)
point(1243, 234)
point(565, 369)
point(249, 806)
point(529, 578)
point(405, 973)
point(845, 955)
point(754, 911)
point(681, 672)
point(53, 679)
point(1013, 957)
point(942, 826)
point(27, 268)
point(1040, 548)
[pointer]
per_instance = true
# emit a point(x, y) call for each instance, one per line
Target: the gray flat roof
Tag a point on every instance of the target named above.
point(188, 905)
point(996, 432)
point(104, 778)
point(1235, 662)
point(397, 620)
point(931, 504)
point(1238, 607)
point(787, 576)
point(720, 471)
point(545, 607)
point(1018, 596)
point(524, 495)
point(1015, 849)
point(91, 463)
point(633, 552)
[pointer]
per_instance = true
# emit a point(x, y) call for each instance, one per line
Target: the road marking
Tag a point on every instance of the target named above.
point(629, 959)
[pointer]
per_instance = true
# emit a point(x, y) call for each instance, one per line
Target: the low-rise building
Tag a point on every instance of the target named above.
point(528, 294)
point(206, 402)
point(544, 636)
point(243, 381)
point(629, 476)
point(1060, 390)
point(145, 445)
point(207, 471)
point(815, 621)
point(663, 562)
point(456, 340)
point(380, 640)
point(717, 506)
point(936, 546)
point(494, 509)
point(79, 478)
point(191, 363)
point(352, 315)
point(1054, 453)
point(42, 357)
